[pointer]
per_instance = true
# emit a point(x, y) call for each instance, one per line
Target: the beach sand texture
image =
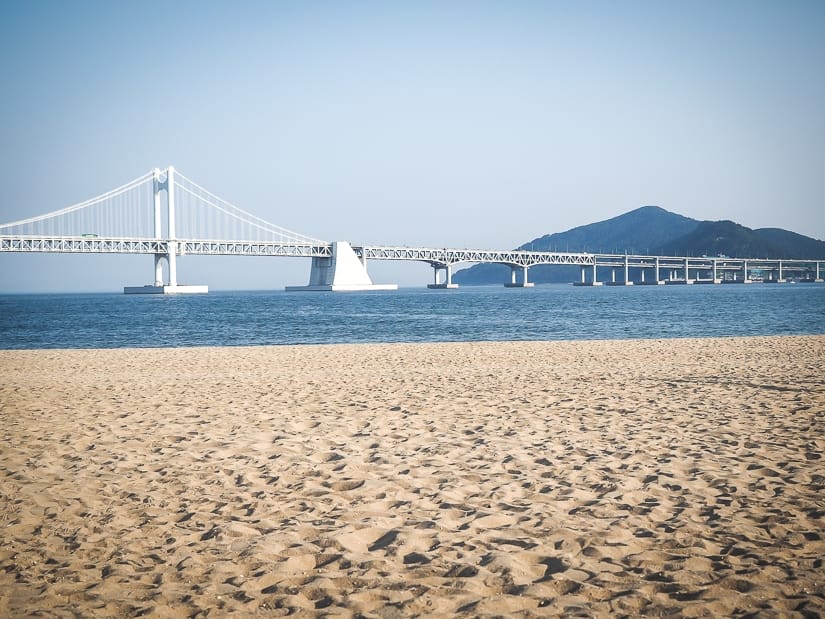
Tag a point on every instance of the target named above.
point(649, 477)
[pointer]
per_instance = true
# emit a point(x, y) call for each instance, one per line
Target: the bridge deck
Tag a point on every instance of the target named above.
point(433, 256)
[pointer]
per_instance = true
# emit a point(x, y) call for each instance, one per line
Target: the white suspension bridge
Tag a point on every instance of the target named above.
point(133, 219)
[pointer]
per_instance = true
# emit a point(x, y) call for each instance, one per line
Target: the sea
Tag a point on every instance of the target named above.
point(546, 312)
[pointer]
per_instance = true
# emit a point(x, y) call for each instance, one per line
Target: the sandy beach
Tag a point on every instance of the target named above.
point(603, 478)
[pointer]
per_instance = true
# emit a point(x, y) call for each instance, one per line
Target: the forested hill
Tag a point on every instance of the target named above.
point(714, 238)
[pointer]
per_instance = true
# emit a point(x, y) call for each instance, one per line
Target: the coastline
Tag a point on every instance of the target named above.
point(598, 476)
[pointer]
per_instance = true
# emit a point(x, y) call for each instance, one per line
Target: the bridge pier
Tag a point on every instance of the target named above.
point(626, 281)
point(173, 263)
point(781, 279)
point(584, 282)
point(344, 271)
point(715, 273)
point(448, 277)
point(159, 258)
point(516, 284)
point(643, 278)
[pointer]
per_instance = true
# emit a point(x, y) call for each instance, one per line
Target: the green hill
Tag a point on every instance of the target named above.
point(795, 245)
point(721, 238)
point(713, 238)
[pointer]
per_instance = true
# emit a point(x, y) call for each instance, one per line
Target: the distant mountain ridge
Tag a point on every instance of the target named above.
point(656, 231)
point(636, 231)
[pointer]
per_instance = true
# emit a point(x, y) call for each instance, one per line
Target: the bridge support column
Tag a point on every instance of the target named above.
point(448, 277)
point(158, 225)
point(171, 257)
point(172, 245)
point(781, 279)
point(159, 258)
point(516, 284)
point(655, 281)
point(343, 271)
point(818, 277)
point(687, 272)
point(584, 281)
point(626, 281)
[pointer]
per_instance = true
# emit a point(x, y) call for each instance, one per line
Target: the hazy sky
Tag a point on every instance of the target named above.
point(465, 124)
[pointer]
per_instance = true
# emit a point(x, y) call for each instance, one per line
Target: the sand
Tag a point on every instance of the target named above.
point(669, 477)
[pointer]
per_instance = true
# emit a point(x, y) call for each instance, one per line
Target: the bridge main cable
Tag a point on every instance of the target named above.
point(224, 206)
point(81, 205)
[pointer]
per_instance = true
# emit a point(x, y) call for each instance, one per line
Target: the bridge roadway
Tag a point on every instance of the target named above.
point(438, 258)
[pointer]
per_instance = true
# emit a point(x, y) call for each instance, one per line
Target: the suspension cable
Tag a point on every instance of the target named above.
point(244, 216)
point(70, 209)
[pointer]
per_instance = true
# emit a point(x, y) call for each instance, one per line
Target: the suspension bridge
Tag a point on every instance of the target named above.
point(165, 214)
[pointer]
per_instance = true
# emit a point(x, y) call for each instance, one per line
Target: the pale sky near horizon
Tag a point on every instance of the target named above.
point(463, 124)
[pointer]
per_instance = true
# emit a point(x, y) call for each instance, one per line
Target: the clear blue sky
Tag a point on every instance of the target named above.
point(468, 124)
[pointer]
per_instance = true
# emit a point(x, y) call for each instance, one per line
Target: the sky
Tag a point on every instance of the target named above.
point(460, 124)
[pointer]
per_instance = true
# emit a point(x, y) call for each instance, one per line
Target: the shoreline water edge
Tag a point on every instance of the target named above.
point(478, 479)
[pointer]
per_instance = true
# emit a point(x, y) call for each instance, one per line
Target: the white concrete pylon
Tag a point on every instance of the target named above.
point(158, 225)
point(172, 287)
point(343, 271)
point(173, 246)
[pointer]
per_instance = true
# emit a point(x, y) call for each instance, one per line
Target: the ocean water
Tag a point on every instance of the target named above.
point(551, 312)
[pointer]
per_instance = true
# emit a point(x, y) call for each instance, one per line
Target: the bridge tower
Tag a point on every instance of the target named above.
point(171, 244)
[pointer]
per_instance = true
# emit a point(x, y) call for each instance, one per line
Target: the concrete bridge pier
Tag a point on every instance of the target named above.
point(781, 279)
point(715, 276)
point(343, 271)
point(516, 284)
point(593, 281)
point(626, 281)
point(818, 277)
point(656, 280)
point(159, 258)
point(448, 277)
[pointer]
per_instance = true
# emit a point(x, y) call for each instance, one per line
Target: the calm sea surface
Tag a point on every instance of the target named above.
point(551, 312)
